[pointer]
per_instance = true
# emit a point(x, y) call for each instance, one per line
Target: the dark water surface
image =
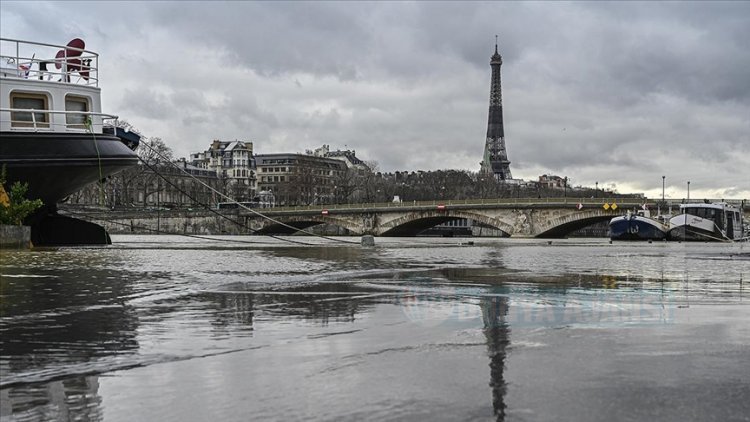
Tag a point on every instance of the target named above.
point(161, 328)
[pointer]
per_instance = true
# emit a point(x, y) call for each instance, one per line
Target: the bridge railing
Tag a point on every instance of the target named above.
point(586, 202)
point(469, 202)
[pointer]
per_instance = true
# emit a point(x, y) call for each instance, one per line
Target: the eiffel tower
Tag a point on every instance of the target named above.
point(495, 159)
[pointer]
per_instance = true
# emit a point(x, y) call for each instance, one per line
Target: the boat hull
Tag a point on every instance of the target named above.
point(694, 234)
point(55, 165)
point(636, 228)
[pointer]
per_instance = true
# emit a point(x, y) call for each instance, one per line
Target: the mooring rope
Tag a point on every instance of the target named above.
point(213, 211)
point(90, 127)
point(227, 198)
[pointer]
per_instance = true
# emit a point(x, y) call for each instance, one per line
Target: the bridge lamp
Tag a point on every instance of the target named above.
point(688, 193)
point(662, 187)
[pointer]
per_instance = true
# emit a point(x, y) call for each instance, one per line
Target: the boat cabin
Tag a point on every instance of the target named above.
point(726, 217)
point(49, 88)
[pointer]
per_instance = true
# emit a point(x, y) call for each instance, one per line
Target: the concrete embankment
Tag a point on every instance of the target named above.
point(145, 221)
point(15, 237)
point(191, 222)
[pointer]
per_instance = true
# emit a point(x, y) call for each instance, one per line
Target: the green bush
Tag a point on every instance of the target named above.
point(16, 207)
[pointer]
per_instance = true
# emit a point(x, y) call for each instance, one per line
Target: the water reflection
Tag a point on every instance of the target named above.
point(235, 307)
point(233, 312)
point(497, 333)
point(53, 317)
point(406, 315)
point(71, 399)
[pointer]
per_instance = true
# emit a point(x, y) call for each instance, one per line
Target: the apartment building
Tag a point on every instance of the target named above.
point(234, 165)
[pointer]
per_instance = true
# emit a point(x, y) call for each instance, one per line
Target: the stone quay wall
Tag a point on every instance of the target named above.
point(144, 221)
point(15, 237)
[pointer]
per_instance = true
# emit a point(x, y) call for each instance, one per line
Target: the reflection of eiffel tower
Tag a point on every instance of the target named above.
point(496, 330)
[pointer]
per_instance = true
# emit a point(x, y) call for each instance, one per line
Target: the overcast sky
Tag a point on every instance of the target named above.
point(615, 93)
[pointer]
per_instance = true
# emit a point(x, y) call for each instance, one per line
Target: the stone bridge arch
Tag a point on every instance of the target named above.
point(563, 225)
point(305, 221)
point(412, 223)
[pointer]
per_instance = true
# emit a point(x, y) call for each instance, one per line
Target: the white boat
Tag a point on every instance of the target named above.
point(54, 135)
point(718, 221)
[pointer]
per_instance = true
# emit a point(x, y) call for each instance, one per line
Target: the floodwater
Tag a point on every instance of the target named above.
point(165, 328)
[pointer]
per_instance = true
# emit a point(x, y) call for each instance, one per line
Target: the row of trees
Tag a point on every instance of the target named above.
point(456, 185)
point(141, 186)
point(136, 185)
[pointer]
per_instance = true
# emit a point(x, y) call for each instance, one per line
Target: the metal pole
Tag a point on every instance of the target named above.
point(158, 206)
point(662, 187)
point(685, 211)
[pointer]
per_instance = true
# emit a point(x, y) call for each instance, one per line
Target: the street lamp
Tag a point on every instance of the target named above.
point(662, 187)
point(596, 191)
point(686, 213)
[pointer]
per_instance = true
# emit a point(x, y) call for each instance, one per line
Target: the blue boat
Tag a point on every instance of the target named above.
point(638, 226)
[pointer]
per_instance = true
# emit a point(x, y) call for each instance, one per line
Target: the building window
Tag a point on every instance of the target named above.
point(78, 105)
point(29, 101)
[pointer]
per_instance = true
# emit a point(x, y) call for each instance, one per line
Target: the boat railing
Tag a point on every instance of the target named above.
point(75, 121)
point(50, 62)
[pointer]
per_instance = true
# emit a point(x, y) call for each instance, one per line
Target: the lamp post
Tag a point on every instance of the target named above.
point(662, 187)
point(596, 191)
point(685, 212)
point(158, 206)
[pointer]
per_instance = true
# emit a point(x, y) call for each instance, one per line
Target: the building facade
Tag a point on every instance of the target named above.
point(349, 157)
point(234, 164)
point(550, 181)
point(299, 179)
point(495, 161)
point(185, 186)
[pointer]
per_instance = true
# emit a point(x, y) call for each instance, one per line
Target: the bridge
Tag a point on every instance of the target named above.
point(516, 217)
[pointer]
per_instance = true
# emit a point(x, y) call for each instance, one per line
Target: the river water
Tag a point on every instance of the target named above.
point(166, 328)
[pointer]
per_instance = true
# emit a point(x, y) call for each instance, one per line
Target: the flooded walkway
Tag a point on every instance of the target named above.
point(174, 329)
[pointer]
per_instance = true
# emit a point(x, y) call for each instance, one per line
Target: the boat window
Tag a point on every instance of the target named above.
point(79, 105)
point(29, 101)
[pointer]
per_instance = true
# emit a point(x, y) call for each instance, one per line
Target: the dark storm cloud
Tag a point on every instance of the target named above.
point(614, 92)
point(272, 38)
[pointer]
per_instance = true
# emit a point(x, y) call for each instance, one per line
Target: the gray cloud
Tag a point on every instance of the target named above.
point(619, 93)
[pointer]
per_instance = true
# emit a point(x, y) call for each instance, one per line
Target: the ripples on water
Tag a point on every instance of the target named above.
point(412, 328)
